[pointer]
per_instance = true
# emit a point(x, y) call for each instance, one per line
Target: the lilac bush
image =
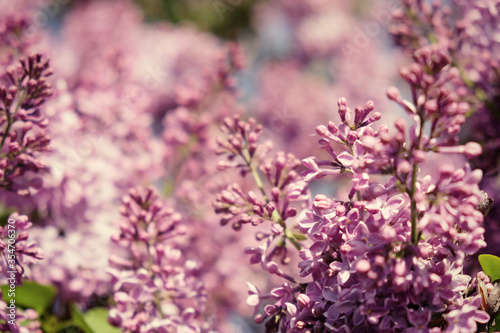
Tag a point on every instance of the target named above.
point(466, 30)
point(155, 177)
point(24, 88)
point(389, 256)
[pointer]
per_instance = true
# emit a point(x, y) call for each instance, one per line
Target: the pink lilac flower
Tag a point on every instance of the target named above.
point(466, 317)
point(154, 288)
point(104, 141)
point(23, 89)
point(469, 32)
point(384, 251)
point(24, 251)
point(278, 187)
point(17, 255)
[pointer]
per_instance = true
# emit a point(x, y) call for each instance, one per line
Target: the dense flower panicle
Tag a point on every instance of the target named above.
point(23, 89)
point(279, 192)
point(17, 253)
point(469, 31)
point(154, 287)
point(25, 251)
point(367, 273)
point(391, 256)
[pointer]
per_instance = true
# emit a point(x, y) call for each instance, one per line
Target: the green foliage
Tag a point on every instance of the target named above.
point(79, 319)
point(31, 295)
point(94, 321)
point(40, 298)
point(490, 265)
point(224, 18)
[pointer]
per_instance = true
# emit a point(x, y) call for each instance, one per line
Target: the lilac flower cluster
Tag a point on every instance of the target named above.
point(155, 289)
point(23, 89)
point(390, 257)
point(26, 252)
point(468, 30)
point(17, 254)
point(274, 202)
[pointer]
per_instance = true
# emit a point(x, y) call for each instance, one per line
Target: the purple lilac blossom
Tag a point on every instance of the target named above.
point(277, 192)
point(389, 249)
point(469, 32)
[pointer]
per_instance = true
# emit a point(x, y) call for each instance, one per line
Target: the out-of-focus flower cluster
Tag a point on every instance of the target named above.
point(17, 252)
point(24, 88)
point(155, 289)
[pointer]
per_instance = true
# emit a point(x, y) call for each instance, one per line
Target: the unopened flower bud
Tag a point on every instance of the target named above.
point(393, 94)
point(303, 300)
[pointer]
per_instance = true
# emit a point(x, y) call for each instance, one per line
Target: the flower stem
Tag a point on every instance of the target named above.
point(414, 213)
point(276, 215)
point(22, 97)
point(7, 129)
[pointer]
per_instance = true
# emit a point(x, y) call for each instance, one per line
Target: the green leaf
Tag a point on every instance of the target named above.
point(490, 265)
point(31, 295)
point(79, 319)
point(97, 320)
point(56, 327)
